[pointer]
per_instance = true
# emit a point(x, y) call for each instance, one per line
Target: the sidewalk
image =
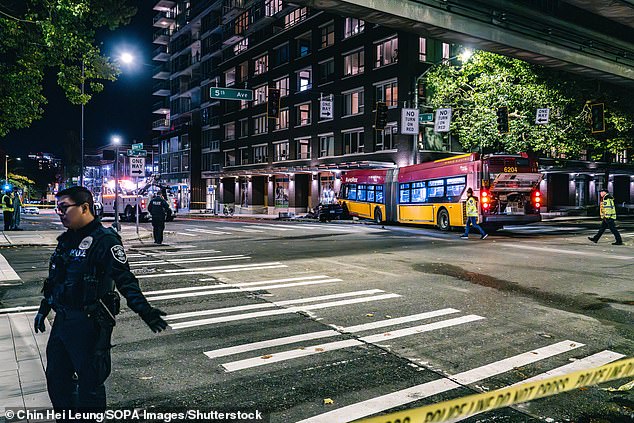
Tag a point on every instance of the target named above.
point(42, 238)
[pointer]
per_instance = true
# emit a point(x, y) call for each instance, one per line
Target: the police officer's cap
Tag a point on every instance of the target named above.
point(469, 191)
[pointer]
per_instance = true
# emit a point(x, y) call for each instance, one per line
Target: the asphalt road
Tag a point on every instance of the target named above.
point(288, 316)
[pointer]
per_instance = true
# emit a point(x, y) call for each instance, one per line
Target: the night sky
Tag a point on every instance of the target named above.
point(122, 108)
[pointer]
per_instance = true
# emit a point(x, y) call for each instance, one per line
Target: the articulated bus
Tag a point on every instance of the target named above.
point(434, 193)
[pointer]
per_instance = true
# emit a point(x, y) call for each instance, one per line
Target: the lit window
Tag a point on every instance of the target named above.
point(260, 154)
point(422, 49)
point(281, 151)
point(282, 85)
point(328, 35)
point(303, 45)
point(302, 113)
point(353, 26)
point(230, 131)
point(282, 120)
point(271, 7)
point(386, 52)
point(353, 63)
point(230, 77)
point(304, 79)
point(295, 17)
point(353, 102)
point(241, 46)
point(303, 149)
point(384, 140)
point(260, 125)
point(260, 94)
point(326, 146)
point(387, 93)
point(261, 65)
point(445, 51)
point(353, 142)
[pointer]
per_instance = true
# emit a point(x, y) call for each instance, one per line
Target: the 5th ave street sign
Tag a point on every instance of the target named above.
point(137, 153)
point(230, 94)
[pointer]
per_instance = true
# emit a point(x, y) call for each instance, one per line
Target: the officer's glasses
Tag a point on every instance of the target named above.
point(63, 208)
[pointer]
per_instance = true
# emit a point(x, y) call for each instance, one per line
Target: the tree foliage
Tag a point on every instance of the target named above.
point(36, 35)
point(487, 81)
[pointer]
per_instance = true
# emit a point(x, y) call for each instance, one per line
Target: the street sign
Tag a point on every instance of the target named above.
point(409, 121)
point(230, 94)
point(137, 166)
point(425, 117)
point(443, 120)
point(325, 110)
point(138, 146)
point(137, 153)
point(542, 116)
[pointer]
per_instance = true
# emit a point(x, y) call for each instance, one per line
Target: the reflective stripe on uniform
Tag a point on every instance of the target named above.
point(472, 207)
point(608, 211)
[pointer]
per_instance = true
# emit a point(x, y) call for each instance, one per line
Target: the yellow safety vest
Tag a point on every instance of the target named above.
point(472, 207)
point(608, 211)
point(8, 208)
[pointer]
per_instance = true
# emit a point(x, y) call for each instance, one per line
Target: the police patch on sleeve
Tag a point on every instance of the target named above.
point(119, 253)
point(85, 243)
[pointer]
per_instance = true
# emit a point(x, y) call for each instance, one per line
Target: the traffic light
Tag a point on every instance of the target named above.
point(420, 91)
point(273, 104)
point(380, 121)
point(503, 120)
point(597, 117)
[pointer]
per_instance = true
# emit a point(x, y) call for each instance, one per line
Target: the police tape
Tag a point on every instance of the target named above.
point(479, 403)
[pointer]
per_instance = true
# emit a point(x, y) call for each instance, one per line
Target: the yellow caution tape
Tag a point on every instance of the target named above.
point(479, 403)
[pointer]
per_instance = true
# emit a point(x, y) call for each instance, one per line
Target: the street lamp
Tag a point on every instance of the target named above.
point(116, 140)
point(6, 169)
point(463, 56)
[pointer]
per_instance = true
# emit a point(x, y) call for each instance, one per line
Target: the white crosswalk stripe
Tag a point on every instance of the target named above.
point(270, 227)
point(418, 392)
point(231, 228)
point(214, 270)
point(186, 234)
point(189, 260)
point(207, 231)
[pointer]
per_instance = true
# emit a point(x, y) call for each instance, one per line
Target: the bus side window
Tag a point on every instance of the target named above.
point(371, 193)
point(352, 193)
point(379, 194)
point(361, 193)
point(404, 194)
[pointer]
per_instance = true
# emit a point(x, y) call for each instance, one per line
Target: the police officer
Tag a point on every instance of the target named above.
point(608, 217)
point(159, 209)
point(472, 215)
point(87, 264)
point(7, 210)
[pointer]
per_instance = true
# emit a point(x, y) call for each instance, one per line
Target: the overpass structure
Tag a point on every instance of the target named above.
point(586, 37)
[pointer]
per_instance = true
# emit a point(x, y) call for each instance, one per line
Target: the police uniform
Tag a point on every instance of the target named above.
point(83, 271)
point(7, 211)
point(159, 209)
point(607, 210)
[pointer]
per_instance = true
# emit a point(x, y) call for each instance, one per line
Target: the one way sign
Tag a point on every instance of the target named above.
point(137, 166)
point(542, 116)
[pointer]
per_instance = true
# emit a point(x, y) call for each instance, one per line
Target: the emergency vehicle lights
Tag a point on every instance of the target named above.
point(485, 199)
point(537, 198)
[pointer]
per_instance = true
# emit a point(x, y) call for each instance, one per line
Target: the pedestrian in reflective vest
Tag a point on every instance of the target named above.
point(608, 218)
point(472, 216)
point(7, 210)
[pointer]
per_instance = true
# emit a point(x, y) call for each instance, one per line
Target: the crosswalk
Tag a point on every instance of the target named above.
point(273, 354)
point(274, 229)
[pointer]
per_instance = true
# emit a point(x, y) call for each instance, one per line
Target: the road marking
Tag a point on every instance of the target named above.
point(186, 234)
point(179, 253)
point(322, 334)
point(228, 228)
point(207, 231)
point(270, 305)
point(18, 309)
point(6, 271)
point(269, 227)
point(301, 278)
point(290, 310)
point(215, 269)
point(557, 250)
point(418, 392)
point(189, 260)
point(337, 345)
point(246, 289)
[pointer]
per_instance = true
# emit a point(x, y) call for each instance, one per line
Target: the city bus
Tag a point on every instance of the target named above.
point(434, 193)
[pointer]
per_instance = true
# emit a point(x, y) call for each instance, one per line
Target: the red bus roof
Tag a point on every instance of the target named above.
point(450, 166)
point(371, 176)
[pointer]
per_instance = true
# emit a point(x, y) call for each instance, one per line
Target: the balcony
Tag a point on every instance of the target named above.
point(231, 9)
point(162, 36)
point(162, 71)
point(163, 20)
point(161, 88)
point(161, 124)
point(164, 5)
point(161, 53)
point(231, 34)
point(161, 107)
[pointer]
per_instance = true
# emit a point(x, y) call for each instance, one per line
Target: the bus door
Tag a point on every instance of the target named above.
point(363, 208)
point(413, 206)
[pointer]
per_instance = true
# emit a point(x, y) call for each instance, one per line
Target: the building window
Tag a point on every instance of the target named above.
point(326, 146)
point(303, 45)
point(260, 154)
point(386, 52)
point(327, 35)
point(353, 26)
point(302, 112)
point(230, 158)
point(260, 124)
point(353, 102)
point(244, 104)
point(242, 23)
point(230, 77)
point(353, 63)
point(295, 17)
point(230, 131)
point(326, 71)
point(271, 7)
point(387, 92)
point(242, 72)
point(422, 49)
point(241, 46)
point(445, 51)
point(261, 64)
point(303, 148)
point(282, 85)
point(280, 54)
point(281, 151)
point(244, 155)
point(244, 127)
point(282, 120)
point(260, 94)
point(384, 140)
point(353, 142)
point(304, 79)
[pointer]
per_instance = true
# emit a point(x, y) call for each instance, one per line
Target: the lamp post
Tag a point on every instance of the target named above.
point(116, 140)
point(81, 135)
point(6, 168)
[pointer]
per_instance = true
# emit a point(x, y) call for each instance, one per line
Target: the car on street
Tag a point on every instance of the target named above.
point(327, 212)
point(30, 210)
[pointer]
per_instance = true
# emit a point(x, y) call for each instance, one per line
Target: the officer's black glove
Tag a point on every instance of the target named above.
point(154, 320)
point(39, 323)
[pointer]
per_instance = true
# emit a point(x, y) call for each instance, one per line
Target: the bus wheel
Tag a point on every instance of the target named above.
point(443, 220)
point(129, 214)
point(378, 217)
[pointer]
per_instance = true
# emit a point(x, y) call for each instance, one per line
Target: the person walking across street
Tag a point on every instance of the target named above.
point(86, 266)
point(608, 218)
point(7, 210)
point(17, 210)
point(159, 209)
point(472, 216)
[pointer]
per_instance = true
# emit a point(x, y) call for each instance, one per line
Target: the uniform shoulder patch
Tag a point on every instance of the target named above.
point(118, 252)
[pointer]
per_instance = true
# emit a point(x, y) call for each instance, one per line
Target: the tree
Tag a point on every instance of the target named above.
point(36, 35)
point(489, 81)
